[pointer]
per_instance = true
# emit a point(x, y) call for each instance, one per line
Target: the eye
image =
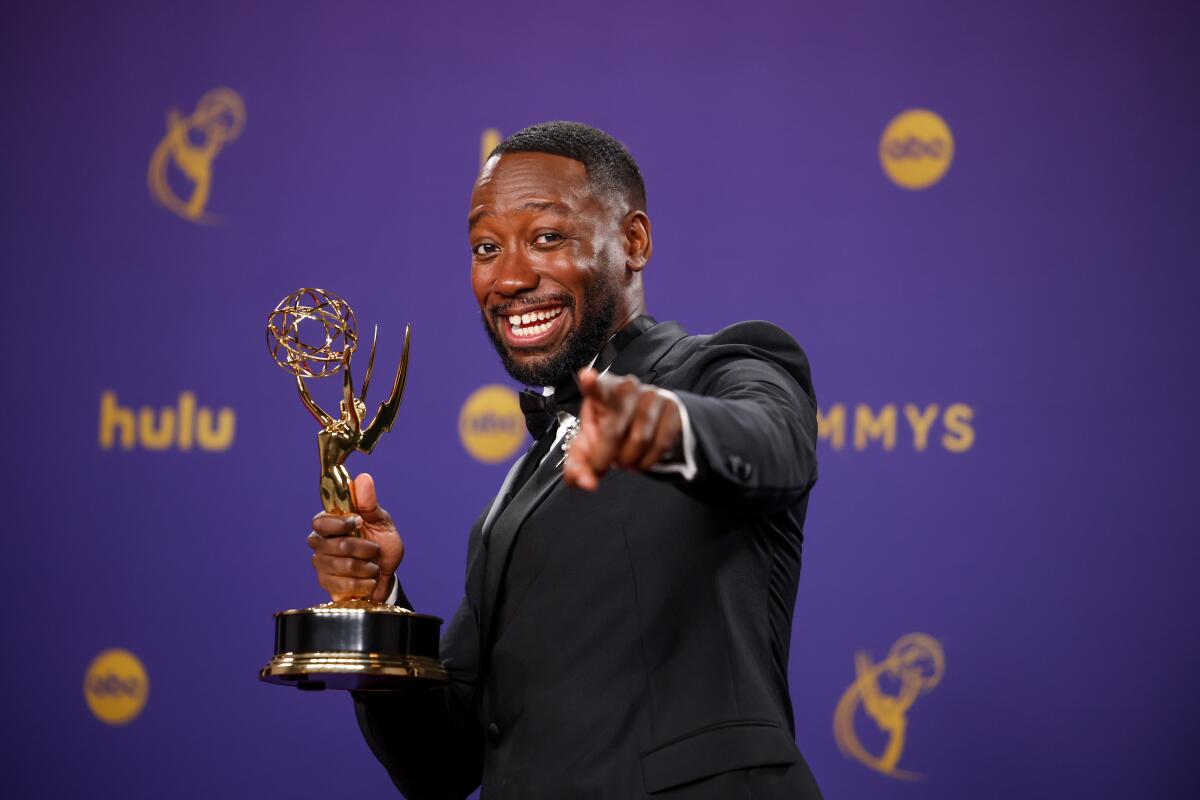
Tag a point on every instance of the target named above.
point(550, 237)
point(484, 249)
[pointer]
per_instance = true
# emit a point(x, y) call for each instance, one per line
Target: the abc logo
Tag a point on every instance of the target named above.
point(916, 149)
point(116, 686)
point(491, 424)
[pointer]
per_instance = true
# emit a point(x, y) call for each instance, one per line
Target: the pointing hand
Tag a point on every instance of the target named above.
point(623, 423)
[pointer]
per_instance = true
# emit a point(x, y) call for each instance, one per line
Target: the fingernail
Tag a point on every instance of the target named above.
point(356, 520)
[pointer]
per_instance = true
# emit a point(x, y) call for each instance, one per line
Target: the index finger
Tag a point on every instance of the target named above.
point(589, 384)
point(601, 387)
point(327, 524)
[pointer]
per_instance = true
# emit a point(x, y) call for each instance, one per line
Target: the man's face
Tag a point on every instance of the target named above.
point(547, 264)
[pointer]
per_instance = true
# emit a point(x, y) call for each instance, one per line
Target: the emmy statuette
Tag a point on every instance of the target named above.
point(354, 644)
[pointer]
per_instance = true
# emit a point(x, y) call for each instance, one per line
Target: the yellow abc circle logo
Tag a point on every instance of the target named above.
point(916, 149)
point(491, 425)
point(116, 686)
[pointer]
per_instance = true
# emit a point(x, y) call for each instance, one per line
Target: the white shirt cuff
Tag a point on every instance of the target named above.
point(391, 598)
point(686, 468)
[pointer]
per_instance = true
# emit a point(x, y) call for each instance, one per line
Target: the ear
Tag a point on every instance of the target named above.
point(638, 245)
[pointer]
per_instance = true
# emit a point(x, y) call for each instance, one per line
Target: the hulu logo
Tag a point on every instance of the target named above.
point(185, 426)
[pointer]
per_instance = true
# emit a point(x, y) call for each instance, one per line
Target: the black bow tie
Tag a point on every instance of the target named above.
point(541, 411)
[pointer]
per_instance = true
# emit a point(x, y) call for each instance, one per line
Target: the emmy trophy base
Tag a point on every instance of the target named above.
point(358, 645)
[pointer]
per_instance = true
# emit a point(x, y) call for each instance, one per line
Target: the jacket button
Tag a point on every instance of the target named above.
point(493, 732)
point(742, 470)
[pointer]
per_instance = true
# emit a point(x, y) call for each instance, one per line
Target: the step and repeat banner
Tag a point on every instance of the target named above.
point(979, 222)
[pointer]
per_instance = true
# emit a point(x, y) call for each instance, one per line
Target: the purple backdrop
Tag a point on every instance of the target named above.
point(1046, 283)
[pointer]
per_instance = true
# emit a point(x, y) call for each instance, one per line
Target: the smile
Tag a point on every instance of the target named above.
point(532, 329)
point(533, 324)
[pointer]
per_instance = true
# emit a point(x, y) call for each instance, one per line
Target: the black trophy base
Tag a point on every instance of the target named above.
point(357, 645)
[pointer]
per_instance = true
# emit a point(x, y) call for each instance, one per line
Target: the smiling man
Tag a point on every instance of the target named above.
point(627, 614)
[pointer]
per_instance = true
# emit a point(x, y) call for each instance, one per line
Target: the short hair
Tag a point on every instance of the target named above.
point(608, 163)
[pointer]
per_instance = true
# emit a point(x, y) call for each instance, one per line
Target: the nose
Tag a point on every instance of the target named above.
point(514, 273)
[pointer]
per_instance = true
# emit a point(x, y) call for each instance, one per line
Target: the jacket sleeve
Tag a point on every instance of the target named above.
point(429, 739)
point(750, 402)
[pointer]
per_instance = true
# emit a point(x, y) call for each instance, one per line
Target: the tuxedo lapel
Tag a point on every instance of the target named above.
point(477, 556)
point(498, 503)
point(644, 352)
point(502, 525)
point(503, 533)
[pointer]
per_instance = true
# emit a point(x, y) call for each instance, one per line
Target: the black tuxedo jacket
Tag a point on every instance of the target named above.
point(633, 642)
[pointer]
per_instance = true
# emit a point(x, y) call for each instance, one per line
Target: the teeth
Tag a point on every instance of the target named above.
point(521, 322)
point(532, 330)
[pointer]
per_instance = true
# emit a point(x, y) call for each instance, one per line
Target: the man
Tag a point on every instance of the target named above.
point(627, 615)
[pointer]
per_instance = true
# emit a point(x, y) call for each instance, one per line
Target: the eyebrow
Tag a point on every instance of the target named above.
point(532, 205)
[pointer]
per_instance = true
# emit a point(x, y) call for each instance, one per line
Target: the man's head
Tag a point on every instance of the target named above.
point(559, 236)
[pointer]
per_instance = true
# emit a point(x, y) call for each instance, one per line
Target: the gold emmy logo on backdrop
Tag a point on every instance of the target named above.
point(191, 144)
point(116, 687)
point(491, 424)
point(915, 665)
point(916, 149)
point(355, 644)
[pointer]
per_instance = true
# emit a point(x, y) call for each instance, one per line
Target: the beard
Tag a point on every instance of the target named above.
point(593, 329)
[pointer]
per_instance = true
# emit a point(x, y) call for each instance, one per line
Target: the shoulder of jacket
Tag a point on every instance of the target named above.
point(757, 339)
point(752, 339)
point(754, 332)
